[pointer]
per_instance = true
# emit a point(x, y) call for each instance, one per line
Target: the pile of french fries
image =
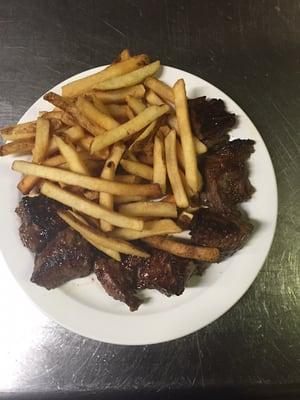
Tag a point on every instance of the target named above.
point(119, 151)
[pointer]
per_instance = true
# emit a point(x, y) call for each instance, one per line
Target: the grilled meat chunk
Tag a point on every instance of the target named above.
point(210, 121)
point(40, 223)
point(161, 271)
point(228, 233)
point(117, 282)
point(225, 173)
point(68, 256)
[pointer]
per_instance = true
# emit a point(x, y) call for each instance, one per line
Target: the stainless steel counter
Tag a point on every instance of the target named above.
point(250, 49)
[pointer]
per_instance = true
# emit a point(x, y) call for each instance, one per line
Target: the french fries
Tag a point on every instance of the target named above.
point(20, 131)
point(41, 140)
point(137, 168)
point(129, 128)
point(159, 165)
point(173, 171)
point(89, 208)
point(129, 79)
point(199, 146)
point(86, 182)
point(118, 96)
point(189, 154)
point(111, 253)
point(149, 209)
point(17, 147)
point(85, 84)
point(151, 228)
point(94, 115)
point(121, 117)
point(28, 182)
point(208, 254)
point(99, 238)
point(142, 139)
point(135, 104)
point(108, 172)
point(152, 98)
point(160, 88)
point(81, 119)
point(86, 144)
point(72, 157)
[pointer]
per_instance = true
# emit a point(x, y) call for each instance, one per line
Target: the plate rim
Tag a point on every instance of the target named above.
point(168, 337)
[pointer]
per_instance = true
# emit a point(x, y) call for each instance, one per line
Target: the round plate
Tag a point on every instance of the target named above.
point(83, 306)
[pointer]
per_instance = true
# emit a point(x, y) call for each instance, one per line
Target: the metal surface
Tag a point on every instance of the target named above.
point(250, 49)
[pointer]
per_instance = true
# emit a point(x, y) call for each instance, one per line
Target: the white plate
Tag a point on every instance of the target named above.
point(82, 305)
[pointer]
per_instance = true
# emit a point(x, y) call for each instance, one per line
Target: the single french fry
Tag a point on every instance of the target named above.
point(186, 136)
point(108, 172)
point(83, 85)
point(86, 144)
point(208, 254)
point(173, 171)
point(129, 79)
point(129, 128)
point(152, 98)
point(72, 157)
point(135, 104)
point(94, 115)
point(87, 207)
point(17, 147)
point(118, 96)
point(86, 182)
point(142, 139)
point(41, 143)
point(160, 88)
point(149, 209)
point(127, 199)
point(159, 164)
point(70, 108)
point(99, 238)
point(151, 228)
point(20, 131)
point(137, 168)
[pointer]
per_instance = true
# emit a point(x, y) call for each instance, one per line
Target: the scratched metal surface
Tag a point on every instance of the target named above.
point(250, 49)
